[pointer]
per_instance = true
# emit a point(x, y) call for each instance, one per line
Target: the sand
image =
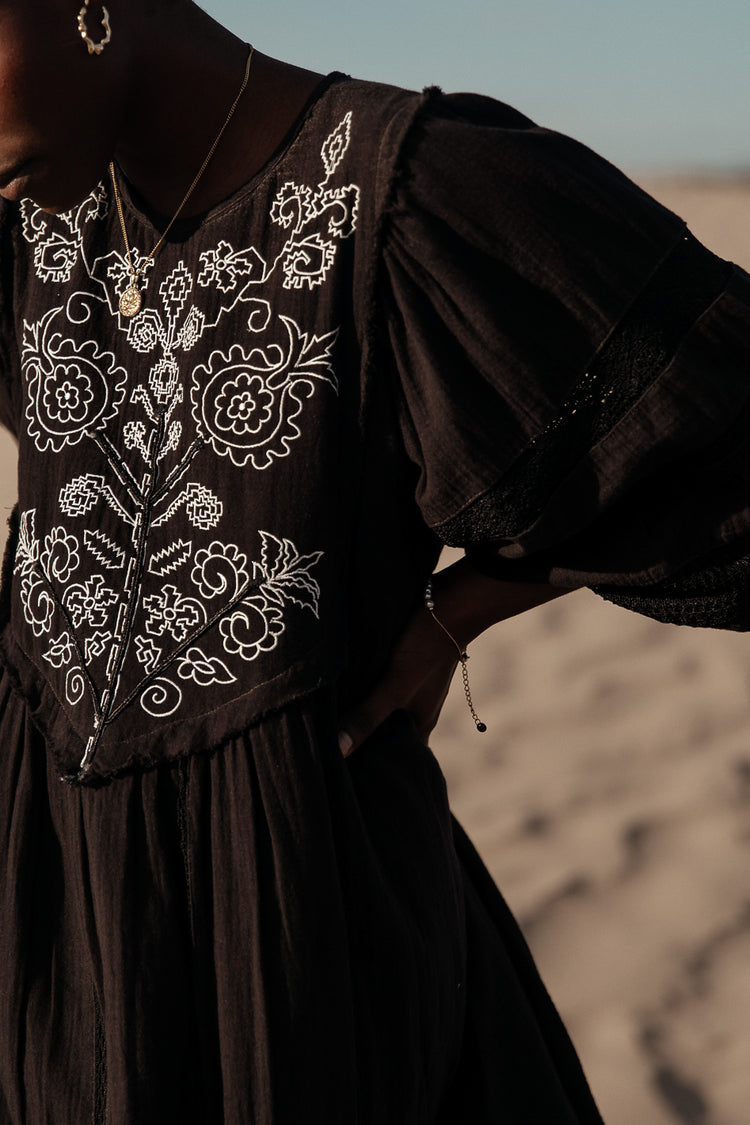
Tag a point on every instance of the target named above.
point(610, 797)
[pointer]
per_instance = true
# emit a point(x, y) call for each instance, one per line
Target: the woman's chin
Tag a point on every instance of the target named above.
point(53, 200)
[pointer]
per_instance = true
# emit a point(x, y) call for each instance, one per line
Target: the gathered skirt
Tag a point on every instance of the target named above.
point(266, 934)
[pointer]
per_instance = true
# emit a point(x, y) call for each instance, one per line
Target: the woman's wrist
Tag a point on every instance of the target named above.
point(467, 602)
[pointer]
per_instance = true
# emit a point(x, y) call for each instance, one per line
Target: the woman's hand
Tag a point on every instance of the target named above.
point(424, 659)
point(416, 680)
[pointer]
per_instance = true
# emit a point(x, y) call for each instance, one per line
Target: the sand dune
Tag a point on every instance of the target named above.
point(611, 799)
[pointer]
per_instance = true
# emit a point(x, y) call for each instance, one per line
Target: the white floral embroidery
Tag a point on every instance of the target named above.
point(79, 495)
point(134, 436)
point(72, 390)
point(60, 651)
point(254, 627)
point(27, 551)
point(60, 556)
point(225, 267)
point(246, 403)
point(58, 239)
point(90, 602)
point(38, 604)
point(145, 331)
point(170, 612)
point(203, 508)
point(203, 670)
point(124, 624)
point(163, 380)
point(220, 569)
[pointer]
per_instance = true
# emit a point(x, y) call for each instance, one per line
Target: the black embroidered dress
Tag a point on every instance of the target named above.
point(425, 320)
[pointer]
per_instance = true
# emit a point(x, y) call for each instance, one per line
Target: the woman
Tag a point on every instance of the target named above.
point(247, 418)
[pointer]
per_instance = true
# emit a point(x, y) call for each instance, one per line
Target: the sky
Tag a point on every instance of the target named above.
point(651, 84)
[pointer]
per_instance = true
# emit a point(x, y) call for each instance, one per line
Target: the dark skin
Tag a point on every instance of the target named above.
point(154, 100)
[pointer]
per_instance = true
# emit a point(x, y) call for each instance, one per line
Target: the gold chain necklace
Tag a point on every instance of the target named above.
point(131, 299)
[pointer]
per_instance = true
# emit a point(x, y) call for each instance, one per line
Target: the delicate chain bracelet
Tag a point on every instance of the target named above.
point(463, 655)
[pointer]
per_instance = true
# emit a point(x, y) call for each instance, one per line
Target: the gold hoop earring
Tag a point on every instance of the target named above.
point(83, 31)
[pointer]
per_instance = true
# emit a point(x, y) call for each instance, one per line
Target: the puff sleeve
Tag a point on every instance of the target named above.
point(572, 367)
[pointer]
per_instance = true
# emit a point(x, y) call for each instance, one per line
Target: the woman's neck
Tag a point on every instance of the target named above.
point(179, 99)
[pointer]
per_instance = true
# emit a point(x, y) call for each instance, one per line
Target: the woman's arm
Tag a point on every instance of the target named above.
point(424, 659)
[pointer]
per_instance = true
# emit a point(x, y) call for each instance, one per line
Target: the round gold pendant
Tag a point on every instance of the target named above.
point(131, 300)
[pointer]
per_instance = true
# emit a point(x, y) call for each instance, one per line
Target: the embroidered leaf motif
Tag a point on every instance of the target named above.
point(171, 558)
point(173, 440)
point(104, 550)
point(286, 573)
point(204, 509)
point(312, 354)
point(27, 551)
point(204, 670)
point(335, 146)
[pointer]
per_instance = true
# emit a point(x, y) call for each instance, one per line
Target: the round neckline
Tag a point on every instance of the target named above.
point(183, 229)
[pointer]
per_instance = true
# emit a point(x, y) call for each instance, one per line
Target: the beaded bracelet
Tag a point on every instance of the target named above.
point(463, 655)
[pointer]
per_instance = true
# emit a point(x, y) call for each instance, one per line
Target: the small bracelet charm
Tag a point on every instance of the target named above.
point(463, 656)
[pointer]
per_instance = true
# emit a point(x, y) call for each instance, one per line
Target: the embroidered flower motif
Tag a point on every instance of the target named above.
point(60, 555)
point(68, 394)
point(60, 652)
point(38, 603)
point(89, 602)
point(254, 627)
point(145, 331)
point(204, 510)
point(71, 390)
point(246, 403)
point(220, 569)
point(170, 612)
point(120, 273)
point(80, 494)
point(223, 268)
